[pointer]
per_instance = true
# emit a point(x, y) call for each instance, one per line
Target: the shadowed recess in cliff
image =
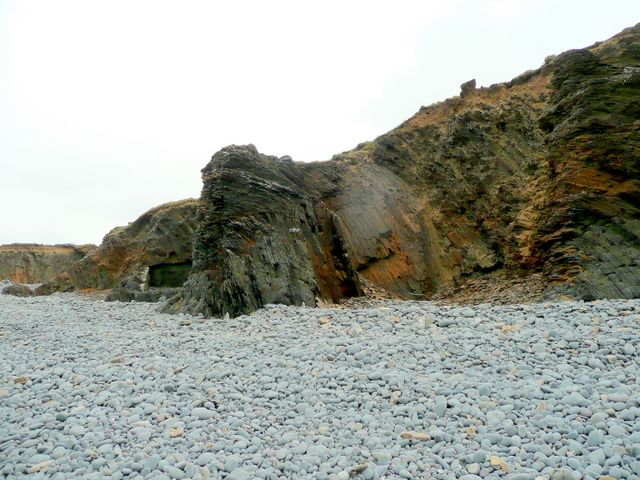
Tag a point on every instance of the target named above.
point(162, 235)
point(169, 274)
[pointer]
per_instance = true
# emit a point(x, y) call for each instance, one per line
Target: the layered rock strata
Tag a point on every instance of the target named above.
point(153, 251)
point(32, 263)
point(263, 237)
point(537, 175)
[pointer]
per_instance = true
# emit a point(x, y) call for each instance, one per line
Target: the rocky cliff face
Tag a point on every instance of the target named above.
point(31, 263)
point(262, 238)
point(537, 175)
point(588, 225)
point(153, 251)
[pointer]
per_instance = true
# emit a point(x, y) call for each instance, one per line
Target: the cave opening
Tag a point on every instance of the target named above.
point(169, 274)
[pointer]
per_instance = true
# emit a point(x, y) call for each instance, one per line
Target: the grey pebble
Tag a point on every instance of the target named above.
point(119, 390)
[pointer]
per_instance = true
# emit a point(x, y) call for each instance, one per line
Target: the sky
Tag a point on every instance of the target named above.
point(110, 108)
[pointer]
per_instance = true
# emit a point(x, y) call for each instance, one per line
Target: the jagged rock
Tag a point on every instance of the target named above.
point(134, 288)
point(589, 221)
point(153, 251)
point(119, 294)
point(18, 290)
point(262, 238)
point(33, 263)
point(125, 290)
point(468, 87)
point(537, 175)
point(157, 294)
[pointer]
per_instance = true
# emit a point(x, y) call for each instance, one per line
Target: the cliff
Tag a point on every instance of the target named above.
point(262, 237)
point(154, 251)
point(32, 263)
point(536, 175)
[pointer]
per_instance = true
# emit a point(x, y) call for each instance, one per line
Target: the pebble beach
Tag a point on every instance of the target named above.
point(397, 390)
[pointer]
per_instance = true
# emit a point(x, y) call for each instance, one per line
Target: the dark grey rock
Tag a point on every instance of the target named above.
point(262, 238)
point(18, 290)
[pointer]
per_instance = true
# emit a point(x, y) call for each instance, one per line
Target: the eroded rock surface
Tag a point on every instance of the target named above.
point(18, 290)
point(160, 239)
point(537, 175)
point(263, 238)
point(32, 263)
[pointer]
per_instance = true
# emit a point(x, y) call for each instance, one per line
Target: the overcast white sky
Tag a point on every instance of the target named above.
point(108, 108)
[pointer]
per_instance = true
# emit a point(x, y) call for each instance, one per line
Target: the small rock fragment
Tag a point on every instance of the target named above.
point(421, 436)
point(497, 462)
point(473, 468)
point(40, 467)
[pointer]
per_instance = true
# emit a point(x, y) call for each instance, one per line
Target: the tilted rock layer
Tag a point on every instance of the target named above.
point(540, 174)
point(262, 237)
point(157, 245)
point(32, 263)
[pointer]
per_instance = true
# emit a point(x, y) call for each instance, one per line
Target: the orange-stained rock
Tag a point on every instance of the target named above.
point(159, 239)
point(539, 175)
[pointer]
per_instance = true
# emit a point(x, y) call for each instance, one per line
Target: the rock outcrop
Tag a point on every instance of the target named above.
point(17, 290)
point(262, 238)
point(152, 252)
point(32, 263)
point(537, 175)
point(467, 88)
